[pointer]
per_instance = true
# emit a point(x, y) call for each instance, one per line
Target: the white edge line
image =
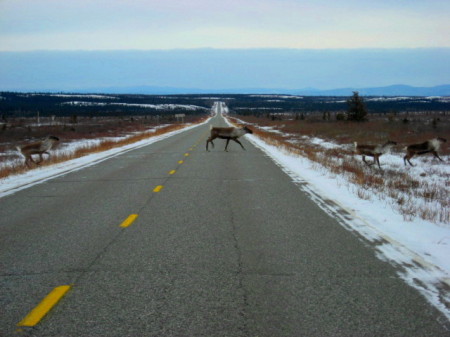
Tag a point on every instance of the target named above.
point(107, 155)
point(433, 274)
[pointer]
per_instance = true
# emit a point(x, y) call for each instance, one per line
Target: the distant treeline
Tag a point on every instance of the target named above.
point(261, 104)
point(29, 104)
point(13, 104)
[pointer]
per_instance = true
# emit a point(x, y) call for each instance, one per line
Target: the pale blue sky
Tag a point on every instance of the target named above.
point(172, 24)
point(215, 69)
point(249, 43)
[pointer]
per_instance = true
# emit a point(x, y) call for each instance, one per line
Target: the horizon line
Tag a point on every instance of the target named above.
point(223, 49)
point(74, 90)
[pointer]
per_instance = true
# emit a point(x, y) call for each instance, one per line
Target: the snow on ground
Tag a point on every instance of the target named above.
point(277, 96)
point(148, 106)
point(386, 99)
point(72, 95)
point(430, 240)
point(419, 249)
point(323, 143)
point(18, 182)
point(258, 108)
point(395, 99)
point(69, 147)
point(270, 129)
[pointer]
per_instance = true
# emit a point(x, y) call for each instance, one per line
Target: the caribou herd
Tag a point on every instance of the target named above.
point(233, 133)
point(375, 151)
point(365, 150)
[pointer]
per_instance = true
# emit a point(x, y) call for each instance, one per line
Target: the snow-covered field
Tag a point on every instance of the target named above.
point(71, 96)
point(278, 96)
point(188, 107)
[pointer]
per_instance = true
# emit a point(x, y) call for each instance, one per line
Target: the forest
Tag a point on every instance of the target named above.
point(19, 105)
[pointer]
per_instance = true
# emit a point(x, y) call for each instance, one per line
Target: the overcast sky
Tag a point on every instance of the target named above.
point(394, 42)
point(169, 24)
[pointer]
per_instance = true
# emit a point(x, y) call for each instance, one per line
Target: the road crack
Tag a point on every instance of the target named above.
point(239, 273)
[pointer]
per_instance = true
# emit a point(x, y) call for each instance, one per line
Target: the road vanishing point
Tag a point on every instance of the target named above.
point(172, 240)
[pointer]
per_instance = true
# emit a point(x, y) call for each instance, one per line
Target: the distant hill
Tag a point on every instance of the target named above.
point(242, 71)
point(393, 90)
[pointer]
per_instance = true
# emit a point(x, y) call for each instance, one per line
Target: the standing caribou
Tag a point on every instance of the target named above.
point(431, 145)
point(374, 151)
point(38, 148)
point(227, 133)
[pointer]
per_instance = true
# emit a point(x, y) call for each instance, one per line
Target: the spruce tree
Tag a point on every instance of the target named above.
point(356, 108)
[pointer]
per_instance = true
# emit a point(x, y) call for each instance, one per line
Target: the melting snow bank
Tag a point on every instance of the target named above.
point(18, 182)
point(419, 249)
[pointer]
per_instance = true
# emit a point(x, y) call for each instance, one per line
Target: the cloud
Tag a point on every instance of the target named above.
point(156, 24)
point(223, 69)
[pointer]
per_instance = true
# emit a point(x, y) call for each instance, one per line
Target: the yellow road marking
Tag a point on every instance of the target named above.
point(128, 221)
point(158, 188)
point(191, 149)
point(172, 172)
point(186, 154)
point(35, 315)
point(180, 162)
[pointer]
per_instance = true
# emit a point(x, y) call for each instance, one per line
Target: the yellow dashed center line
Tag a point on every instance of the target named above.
point(158, 188)
point(35, 315)
point(42, 309)
point(128, 221)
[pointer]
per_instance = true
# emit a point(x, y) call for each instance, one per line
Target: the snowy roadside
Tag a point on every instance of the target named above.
point(69, 147)
point(430, 241)
point(18, 182)
point(419, 249)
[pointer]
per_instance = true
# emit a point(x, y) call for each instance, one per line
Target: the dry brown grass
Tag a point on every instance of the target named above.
point(20, 167)
point(374, 131)
point(411, 196)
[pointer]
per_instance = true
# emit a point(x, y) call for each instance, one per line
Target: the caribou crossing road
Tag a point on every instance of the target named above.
point(224, 244)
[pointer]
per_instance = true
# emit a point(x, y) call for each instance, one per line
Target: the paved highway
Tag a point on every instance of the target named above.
point(224, 244)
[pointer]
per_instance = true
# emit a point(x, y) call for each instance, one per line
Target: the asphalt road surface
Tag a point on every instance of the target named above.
point(226, 245)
